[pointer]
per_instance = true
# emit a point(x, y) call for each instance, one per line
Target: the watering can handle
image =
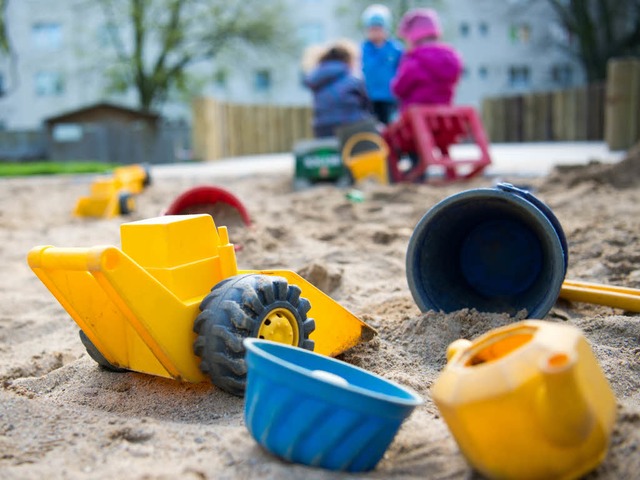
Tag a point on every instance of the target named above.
point(364, 137)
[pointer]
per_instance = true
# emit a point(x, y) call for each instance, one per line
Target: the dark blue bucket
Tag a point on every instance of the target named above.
point(492, 249)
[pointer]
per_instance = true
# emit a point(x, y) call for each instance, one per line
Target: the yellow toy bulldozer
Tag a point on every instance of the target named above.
point(172, 302)
point(113, 195)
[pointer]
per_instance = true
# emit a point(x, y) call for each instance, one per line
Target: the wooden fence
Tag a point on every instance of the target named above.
point(21, 145)
point(608, 111)
point(563, 115)
point(222, 130)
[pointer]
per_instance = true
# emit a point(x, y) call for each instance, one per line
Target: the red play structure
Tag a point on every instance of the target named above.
point(427, 132)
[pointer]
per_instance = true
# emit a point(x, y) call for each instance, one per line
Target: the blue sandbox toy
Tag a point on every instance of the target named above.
point(311, 409)
point(492, 249)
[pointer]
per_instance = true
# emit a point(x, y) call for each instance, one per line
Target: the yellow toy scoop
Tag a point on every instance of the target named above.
point(611, 296)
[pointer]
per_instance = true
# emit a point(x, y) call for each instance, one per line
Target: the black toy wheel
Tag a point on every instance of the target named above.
point(97, 356)
point(243, 306)
point(346, 179)
point(126, 203)
point(146, 181)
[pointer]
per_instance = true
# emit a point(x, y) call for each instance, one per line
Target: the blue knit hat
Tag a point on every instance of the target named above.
point(377, 15)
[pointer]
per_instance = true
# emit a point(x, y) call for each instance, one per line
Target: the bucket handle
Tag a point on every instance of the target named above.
point(364, 137)
point(509, 188)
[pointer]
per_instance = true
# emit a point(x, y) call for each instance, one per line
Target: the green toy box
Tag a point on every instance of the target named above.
point(319, 160)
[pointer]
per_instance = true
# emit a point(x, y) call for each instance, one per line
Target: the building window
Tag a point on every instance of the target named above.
point(483, 28)
point(47, 36)
point(520, 34)
point(519, 76)
point(562, 74)
point(67, 132)
point(464, 29)
point(107, 34)
point(220, 78)
point(483, 72)
point(1, 85)
point(262, 80)
point(49, 84)
point(312, 34)
point(560, 35)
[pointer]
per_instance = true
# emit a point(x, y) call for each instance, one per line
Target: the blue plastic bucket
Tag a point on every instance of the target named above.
point(311, 409)
point(492, 249)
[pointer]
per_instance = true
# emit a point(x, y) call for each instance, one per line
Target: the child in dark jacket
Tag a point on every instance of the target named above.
point(429, 70)
point(339, 98)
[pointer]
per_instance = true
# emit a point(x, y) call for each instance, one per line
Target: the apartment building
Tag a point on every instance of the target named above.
point(60, 53)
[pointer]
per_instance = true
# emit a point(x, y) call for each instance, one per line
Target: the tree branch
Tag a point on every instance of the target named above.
point(114, 34)
point(4, 36)
point(172, 34)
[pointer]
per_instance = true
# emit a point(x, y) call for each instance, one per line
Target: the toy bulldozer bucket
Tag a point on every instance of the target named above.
point(106, 199)
point(371, 163)
point(138, 304)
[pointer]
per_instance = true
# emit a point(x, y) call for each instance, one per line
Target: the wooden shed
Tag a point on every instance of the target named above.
point(105, 132)
point(105, 113)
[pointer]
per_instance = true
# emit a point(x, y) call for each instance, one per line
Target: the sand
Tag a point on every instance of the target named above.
point(63, 417)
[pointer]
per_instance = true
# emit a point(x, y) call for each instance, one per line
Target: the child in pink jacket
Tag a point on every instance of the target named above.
point(429, 70)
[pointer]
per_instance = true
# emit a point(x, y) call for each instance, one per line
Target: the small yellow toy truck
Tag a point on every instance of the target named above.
point(114, 195)
point(173, 303)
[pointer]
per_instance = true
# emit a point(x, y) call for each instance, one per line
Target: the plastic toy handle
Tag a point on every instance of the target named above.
point(364, 137)
point(611, 296)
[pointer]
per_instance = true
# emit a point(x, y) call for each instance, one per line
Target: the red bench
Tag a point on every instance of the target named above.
point(428, 131)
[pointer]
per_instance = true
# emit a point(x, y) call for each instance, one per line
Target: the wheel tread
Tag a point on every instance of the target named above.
point(251, 302)
point(237, 315)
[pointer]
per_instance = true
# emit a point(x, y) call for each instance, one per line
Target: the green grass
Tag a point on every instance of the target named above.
point(18, 169)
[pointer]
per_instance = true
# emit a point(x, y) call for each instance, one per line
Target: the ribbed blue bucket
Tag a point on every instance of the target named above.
point(311, 409)
point(492, 249)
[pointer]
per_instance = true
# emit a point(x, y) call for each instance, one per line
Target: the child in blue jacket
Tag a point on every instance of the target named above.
point(339, 98)
point(380, 59)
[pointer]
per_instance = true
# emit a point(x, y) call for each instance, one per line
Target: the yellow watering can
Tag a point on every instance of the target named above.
point(527, 401)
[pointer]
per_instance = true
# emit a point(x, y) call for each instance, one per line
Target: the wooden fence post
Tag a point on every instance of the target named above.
point(559, 128)
point(199, 129)
point(488, 115)
point(536, 117)
point(500, 119)
point(622, 122)
point(581, 119)
point(514, 117)
point(595, 111)
point(207, 132)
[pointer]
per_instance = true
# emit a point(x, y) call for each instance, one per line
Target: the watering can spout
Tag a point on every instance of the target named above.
point(566, 416)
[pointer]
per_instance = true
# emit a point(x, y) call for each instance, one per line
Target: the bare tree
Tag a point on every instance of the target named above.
point(599, 30)
point(4, 36)
point(156, 41)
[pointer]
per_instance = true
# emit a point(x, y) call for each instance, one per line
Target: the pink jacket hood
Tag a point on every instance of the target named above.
point(427, 74)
